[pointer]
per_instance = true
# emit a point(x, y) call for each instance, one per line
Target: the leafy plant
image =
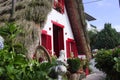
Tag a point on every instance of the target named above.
point(14, 65)
point(73, 64)
point(107, 61)
point(117, 65)
point(117, 59)
point(9, 32)
point(92, 34)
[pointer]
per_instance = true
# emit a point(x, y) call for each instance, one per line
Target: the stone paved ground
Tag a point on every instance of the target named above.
point(96, 74)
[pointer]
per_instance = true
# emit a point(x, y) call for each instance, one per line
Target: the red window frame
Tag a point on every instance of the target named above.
point(58, 24)
point(59, 36)
point(71, 47)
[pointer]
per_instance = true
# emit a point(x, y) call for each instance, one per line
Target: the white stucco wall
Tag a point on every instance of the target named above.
point(61, 19)
point(89, 27)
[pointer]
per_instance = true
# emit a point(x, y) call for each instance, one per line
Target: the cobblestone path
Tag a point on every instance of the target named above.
point(96, 74)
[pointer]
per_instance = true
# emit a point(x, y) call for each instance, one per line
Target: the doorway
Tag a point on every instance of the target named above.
point(58, 40)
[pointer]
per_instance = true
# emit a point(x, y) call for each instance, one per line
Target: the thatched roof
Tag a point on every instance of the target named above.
point(6, 8)
point(77, 20)
point(25, 9)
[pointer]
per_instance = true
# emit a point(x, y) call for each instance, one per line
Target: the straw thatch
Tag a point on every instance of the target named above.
point(27, 14)
point(37, 10)
point(78, 25)
point(6, 8)
point(33, 10)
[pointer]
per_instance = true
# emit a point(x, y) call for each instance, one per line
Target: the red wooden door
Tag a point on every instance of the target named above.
point(58, 40)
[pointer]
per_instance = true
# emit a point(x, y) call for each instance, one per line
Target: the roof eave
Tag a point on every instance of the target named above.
point(89, 17)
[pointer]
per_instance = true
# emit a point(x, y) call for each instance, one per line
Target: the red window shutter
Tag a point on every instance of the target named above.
point(49, 44)
point(46, 42)
point(71, 47)
point(68, 48)
point(74, 48)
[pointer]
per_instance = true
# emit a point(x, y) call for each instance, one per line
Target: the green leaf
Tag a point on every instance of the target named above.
point(20, 59)
point(1, 70)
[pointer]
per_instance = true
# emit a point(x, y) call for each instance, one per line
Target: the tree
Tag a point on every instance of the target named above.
point(92, 34)
point(107, 38)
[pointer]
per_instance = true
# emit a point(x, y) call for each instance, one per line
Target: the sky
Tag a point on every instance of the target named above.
point(105, 11)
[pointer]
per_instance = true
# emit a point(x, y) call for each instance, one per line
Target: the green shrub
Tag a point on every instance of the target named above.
point(14, 65)
point(105, 61)
point(117, 59)
point(73, 64)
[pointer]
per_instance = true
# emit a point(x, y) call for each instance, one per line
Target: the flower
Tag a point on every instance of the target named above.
point(1, 39)
point(1, 45)
point(1, 42)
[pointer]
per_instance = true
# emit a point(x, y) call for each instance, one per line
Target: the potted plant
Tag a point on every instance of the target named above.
point(75, 69)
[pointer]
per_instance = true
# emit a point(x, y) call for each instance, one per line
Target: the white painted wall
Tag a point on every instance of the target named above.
point(61, 19)
point(89, 27)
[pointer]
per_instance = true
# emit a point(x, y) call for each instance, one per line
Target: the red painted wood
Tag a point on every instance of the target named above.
point(68, 48)
point(70, 40)
point(61, 39)
point(58, 37)
point(44, 32)
point(46, 41)
point(59, 4)
point(71, 47)
point(57, 24)
point(49, 44)
point(74, 48)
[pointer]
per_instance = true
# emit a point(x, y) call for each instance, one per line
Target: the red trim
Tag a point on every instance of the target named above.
point(68, 49)
point(49, 42)
point(70, 40)
point(71, 47)
point(57, 24)
point(46, 41)
point(44, 32)
point(74, 48)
